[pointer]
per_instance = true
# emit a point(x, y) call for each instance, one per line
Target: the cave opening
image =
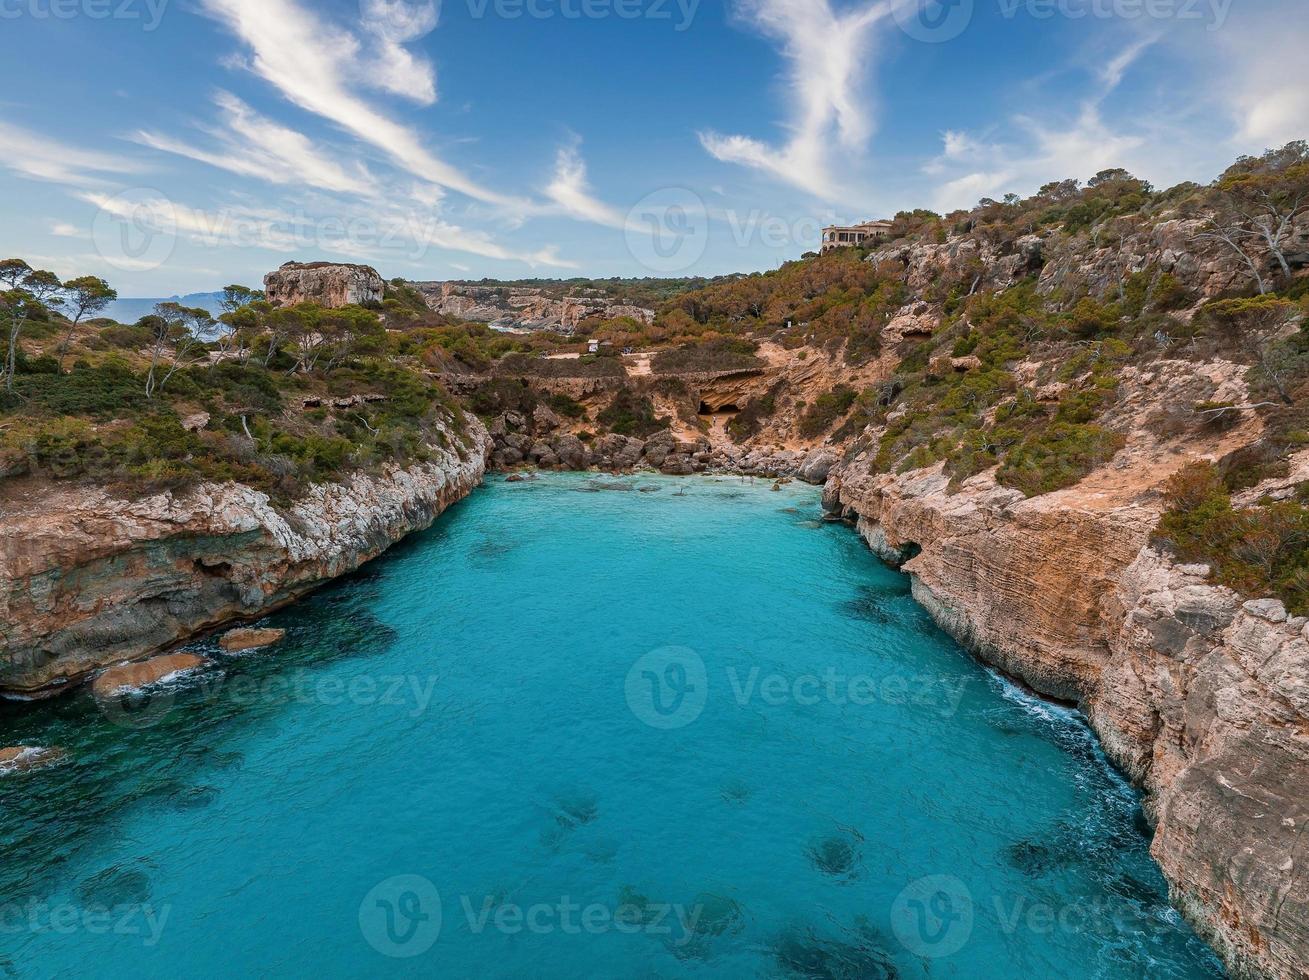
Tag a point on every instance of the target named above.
point(728, 409)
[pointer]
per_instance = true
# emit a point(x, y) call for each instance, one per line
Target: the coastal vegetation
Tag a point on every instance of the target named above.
point(274, 398)
point(999, 338)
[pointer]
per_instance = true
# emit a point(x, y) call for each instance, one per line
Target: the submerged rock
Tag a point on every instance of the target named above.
point(239, 640)
point(131, 677)
point(114, 888)
point(836, 856)
point(804, 953)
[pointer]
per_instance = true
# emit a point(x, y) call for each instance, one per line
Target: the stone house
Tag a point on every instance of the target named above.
point(836, 236)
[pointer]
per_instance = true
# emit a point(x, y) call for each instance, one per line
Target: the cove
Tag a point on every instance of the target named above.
point(588, 727)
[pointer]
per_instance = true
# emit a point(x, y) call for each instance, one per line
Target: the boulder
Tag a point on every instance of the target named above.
point(328, 284)
point(131, 677)
point(545, 420)
point(678, 464)
point(569, 450)
point(25, 758)
point(616, 452)
point(237, 640)
point(817, 466)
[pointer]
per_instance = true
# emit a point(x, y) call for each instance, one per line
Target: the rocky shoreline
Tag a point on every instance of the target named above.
point(89, 579)
point(1200, 697)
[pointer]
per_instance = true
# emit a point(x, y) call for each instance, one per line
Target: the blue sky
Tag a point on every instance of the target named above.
point(177, 145)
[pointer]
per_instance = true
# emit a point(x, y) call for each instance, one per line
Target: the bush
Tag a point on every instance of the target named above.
point(527, 366)
point(630, 414)
point(105, 391)
point(723, 354)
point(827, 411)
point(750, 420)
point(1057, 456)
point(1260, 551)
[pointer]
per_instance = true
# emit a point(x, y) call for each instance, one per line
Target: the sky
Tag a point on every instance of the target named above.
point(176, 146)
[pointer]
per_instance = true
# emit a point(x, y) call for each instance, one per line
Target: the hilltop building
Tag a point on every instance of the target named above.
point(836, 236)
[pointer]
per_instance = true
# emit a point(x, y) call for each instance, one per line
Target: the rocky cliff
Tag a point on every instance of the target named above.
point(524, 308)
point(1201, 697)
point(325, 283)
point(88, 578)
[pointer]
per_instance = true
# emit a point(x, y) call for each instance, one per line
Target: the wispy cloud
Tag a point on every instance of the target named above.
point(316, 66)
point(1042, 151)
point(829, 54)
point(393, 67)
point(254, 146)
point(42, 158)
point(1269, 108)
point(571, 192)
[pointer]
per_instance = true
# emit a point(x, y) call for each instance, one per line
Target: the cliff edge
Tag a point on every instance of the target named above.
point(89, 578)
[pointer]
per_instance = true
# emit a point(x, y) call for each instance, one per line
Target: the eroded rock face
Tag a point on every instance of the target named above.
point(524, 307)
point(1202, 698)
point(327, 284)
point(88, 578)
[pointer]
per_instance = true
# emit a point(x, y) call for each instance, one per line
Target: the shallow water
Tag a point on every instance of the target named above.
point(688, 732)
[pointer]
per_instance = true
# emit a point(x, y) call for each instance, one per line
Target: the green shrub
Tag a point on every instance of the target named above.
point(106, 391)
point(568, 407)
point(630, 414)
point(1259, 551)
point(1057, 456)
point(826, 411)
point(722, 354)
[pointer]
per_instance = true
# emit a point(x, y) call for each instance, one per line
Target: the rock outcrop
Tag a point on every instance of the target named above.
point(326, 283)
point(1202, 699)
point(239, 641)
point(524, 308)
point(135, 676)
point(519, 440)
point(88, 578)
point(27, 758)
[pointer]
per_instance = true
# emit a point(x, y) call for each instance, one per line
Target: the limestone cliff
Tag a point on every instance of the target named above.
point(1201, 698)
point(525, 307)
point(88, 577)
point(325, 283)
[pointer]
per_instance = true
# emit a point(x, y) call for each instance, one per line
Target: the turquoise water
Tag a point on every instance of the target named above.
point(577, 730)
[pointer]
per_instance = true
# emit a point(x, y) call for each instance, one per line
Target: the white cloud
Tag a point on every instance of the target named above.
point(828, 55)
point(393, 68)
point(1044, 151)
point(315, 66)
point(42, 158)
point(571, 192)
point(254, 146)
point(63, 229)
point(1270, 107)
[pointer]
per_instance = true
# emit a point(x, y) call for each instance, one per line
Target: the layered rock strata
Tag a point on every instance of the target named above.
point(1201, 698)
point(88, 578)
